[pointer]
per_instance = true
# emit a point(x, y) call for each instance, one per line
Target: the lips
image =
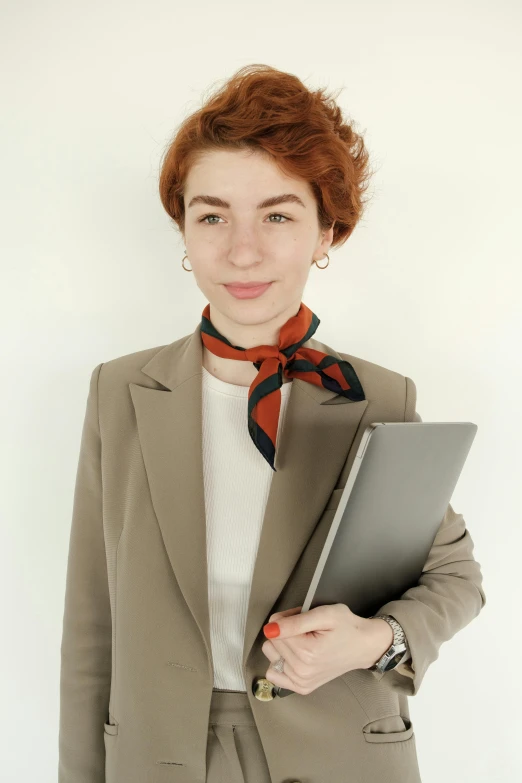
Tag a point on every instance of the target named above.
point(254, 284)
point(247, 292)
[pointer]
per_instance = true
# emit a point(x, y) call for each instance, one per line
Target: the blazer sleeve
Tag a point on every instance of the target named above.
point(447, 597)
point(85, 672)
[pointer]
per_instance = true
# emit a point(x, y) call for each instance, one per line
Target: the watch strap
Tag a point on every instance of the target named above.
point(398, 645)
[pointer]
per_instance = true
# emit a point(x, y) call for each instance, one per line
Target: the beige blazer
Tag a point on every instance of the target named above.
point(136, 663)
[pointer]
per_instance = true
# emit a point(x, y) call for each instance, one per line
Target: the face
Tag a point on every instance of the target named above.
point(230, 236)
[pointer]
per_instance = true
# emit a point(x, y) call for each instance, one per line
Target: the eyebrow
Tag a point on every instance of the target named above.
point(215, 201)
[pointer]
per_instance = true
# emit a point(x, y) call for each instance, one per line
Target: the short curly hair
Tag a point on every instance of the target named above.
point(302, 131)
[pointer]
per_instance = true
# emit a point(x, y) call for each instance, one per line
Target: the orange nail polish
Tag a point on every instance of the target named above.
point(271, 630)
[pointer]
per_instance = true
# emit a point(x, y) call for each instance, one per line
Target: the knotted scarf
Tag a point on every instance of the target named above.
point(290, 358)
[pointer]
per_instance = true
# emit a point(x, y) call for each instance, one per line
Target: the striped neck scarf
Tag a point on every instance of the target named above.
point(290, 358)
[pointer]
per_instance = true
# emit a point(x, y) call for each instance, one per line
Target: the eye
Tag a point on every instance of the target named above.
point(276, 214)
point(272, 214)
point(202, 220)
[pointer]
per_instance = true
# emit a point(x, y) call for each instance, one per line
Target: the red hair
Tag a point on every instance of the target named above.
point(302, 131)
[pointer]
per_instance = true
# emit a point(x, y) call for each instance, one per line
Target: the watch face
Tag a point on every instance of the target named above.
point(394, 661)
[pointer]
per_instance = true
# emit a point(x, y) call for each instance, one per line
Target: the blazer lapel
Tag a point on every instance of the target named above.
point(318, 430)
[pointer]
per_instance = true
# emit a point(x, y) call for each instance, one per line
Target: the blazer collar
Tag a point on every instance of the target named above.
point(319, 428)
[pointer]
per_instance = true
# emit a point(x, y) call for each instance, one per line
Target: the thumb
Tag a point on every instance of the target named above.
point(272, 628)
point(294, 622)
point(284, 613)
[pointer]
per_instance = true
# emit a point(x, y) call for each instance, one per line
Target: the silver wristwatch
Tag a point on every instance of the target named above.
point(398, 650)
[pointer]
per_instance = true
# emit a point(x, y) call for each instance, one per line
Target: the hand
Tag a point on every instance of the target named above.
point(321, 644)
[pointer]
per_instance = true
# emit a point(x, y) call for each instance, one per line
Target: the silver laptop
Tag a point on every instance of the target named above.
point(392, 505)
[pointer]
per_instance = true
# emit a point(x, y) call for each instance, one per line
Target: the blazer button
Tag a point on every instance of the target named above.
point(263, 689)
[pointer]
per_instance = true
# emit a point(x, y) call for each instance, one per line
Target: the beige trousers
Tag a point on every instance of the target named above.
point(234, 751)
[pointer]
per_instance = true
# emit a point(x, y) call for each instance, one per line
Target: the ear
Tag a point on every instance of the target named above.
point(327, 239)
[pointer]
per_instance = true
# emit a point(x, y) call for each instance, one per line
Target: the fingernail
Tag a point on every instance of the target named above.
point(271, 630)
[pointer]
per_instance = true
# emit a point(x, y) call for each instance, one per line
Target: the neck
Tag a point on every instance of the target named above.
point(251, 335)
point(242, 373)
point(231, 370)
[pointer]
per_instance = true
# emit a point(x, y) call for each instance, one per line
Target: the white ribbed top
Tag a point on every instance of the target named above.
point(237, 481)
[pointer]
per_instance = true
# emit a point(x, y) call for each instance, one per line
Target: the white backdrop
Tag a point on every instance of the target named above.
point(429, 285)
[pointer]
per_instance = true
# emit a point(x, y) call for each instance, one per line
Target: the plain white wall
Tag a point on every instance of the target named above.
point(428, 285)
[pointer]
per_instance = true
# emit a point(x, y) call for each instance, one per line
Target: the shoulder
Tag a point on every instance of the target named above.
point(389, 387)
point(122, 370)
point(376, 379)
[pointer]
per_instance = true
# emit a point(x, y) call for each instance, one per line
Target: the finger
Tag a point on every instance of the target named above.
point(274, 651)
point(281, 679)
point(285, 613)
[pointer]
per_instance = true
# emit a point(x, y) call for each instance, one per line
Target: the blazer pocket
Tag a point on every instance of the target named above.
point(393, 728)
point(110, 728)
point(334, 499)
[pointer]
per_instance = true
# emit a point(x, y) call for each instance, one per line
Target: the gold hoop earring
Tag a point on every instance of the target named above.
point(183, 265)
point(323, 267)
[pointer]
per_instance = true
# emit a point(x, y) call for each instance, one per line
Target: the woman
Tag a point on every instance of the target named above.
point(199, 518)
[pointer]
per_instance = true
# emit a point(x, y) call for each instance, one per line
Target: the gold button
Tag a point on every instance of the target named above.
point(263, 689)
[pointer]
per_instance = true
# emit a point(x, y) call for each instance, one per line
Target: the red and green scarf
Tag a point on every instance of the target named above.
point(290, 358)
